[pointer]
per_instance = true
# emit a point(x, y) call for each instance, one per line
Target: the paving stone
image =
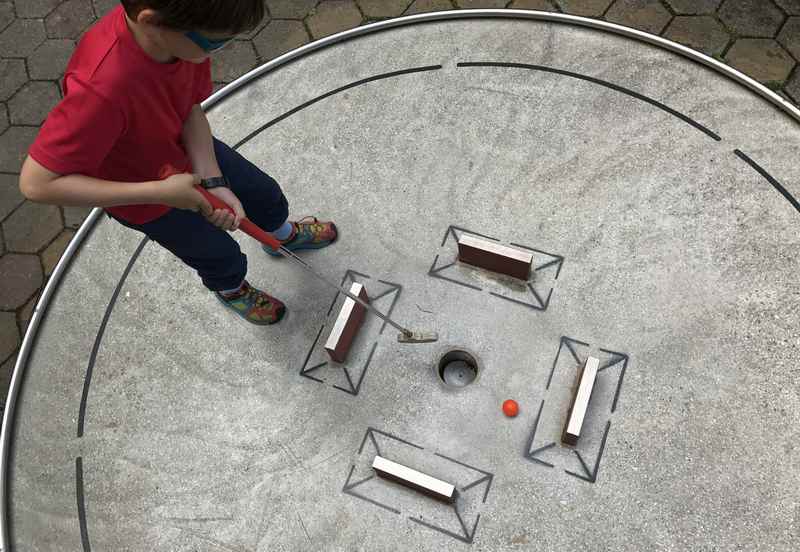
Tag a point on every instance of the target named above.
point(376, 9)
point(701, 32)
point(50, 59)
point(789, 36)
point(424, 6)
point(32, 227)
point(333, 16)
point(541, 5)
point(785, 96)
point(10, 196)
point(9, 335)
point(22, 37)
point(278, 37)
point(74, 216)
point(14, 144)
point(35, 8)
point(646, 15)
point(751, 18)
point(6, 371)
point(290, 9)
point(51, 255)
point(792, 7)
point(592, 8)
point(3, 118)
point(693, 7)
point(26, 313)
point(102, 7)
point(250, 35)
point(6, 14)
point(31, 104)
point(21, 276)
point(12, 77)
point(792, 87)
point(761, 58)
point(70, 19)
point(233, 61)
point(475, 4)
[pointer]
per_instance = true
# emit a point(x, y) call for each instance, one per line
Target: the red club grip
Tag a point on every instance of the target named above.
point(246, 225)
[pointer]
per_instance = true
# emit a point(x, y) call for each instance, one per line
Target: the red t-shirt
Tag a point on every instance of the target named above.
point(122, 114)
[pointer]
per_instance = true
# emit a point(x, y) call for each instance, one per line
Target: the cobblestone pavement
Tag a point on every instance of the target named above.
point(759, 37)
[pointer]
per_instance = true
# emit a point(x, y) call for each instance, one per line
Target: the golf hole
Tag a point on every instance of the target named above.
point(458, 368)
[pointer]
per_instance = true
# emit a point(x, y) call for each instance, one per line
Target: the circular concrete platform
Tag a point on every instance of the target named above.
point(657, 198)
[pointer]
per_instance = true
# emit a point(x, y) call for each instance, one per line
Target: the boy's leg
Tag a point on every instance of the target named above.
point(261, 196)
point(210, 251)
point(216, 257)
point(265, 204)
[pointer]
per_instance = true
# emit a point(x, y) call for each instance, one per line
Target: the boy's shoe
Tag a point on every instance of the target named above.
point(308, 233)
point(253, 305)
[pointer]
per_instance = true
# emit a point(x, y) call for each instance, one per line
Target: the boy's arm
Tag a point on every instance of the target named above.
point(78, 134)
point(199, 144)
point(39, 184)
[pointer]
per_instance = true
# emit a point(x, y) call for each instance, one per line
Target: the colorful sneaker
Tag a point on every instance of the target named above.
point(308, 233)
point(253, 305)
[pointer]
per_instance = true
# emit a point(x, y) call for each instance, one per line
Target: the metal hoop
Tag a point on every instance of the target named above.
point(220, 95)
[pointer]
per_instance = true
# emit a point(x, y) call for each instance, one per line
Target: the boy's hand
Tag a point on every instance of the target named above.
point(179, 191)
point(222, 217)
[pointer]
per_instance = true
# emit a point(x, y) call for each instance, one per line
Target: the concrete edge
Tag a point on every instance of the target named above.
point(22, 359)
point(213, 100)
point(629, 32)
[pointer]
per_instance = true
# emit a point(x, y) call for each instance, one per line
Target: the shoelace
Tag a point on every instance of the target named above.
point(314, 225)
point(257, 297)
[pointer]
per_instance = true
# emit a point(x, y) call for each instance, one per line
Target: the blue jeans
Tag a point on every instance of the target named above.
point(211, 251)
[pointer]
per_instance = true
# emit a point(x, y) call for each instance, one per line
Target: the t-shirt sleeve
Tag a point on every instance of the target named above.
point(79, 132)
point(202, 82)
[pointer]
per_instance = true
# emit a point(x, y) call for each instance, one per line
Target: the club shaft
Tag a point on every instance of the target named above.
point(289, 255)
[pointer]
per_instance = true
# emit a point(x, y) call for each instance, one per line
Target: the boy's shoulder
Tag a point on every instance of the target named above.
point(98, 61)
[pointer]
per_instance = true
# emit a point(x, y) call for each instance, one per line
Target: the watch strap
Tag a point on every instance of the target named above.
point(214, 182)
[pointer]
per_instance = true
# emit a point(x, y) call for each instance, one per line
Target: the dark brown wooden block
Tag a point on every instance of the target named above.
point(347, 324)
point(495, 257)
point(580, 402)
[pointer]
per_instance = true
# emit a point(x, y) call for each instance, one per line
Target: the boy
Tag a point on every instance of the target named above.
point(131, 111)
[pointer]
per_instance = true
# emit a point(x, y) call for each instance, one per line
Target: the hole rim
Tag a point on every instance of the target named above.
point(454, 354)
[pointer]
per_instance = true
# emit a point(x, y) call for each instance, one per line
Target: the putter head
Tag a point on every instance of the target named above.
point(417, 337)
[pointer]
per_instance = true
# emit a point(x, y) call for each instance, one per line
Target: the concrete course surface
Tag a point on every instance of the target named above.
point(758, 37)
point(658, 198)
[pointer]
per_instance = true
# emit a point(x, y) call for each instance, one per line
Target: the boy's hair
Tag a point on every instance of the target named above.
point(223, 16)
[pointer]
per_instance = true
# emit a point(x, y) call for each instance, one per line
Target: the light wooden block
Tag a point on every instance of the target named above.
point(413, 479)
point(347, 324)
point(580, 402)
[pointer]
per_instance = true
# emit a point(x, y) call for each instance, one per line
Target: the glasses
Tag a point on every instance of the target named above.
point(207, 44)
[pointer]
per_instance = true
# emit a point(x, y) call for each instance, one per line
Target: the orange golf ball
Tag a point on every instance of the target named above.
point(510, 408)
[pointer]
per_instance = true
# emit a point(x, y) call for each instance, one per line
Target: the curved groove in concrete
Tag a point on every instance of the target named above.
point(321, 97)
point(101, 332)
point(769, 178)
point(601, 82)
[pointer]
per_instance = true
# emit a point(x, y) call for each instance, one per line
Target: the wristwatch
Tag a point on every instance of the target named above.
point(214, 182)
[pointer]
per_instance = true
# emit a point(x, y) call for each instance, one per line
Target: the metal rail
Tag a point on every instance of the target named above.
point(216, 98)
